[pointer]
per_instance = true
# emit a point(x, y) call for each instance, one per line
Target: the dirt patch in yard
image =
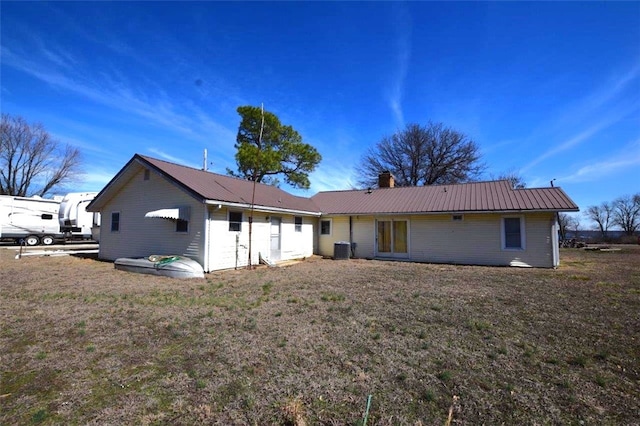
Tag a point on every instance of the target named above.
point(308, 343)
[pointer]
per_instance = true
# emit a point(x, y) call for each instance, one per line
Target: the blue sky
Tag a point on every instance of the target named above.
point(549, 90)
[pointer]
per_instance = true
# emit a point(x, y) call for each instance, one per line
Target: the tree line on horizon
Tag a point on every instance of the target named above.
point(622, 213)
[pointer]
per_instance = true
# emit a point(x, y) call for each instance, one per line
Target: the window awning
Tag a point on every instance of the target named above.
point(181, 213)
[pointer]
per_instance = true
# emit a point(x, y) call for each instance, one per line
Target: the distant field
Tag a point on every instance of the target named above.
point(308, 343)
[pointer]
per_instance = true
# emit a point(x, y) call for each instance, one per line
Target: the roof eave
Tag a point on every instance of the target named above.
point(505, 211)
point(262, 209)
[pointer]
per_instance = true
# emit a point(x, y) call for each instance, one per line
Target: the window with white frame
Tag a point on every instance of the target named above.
point(298, 223)
point(513, 235)
point(235, 221)
point(325, 227)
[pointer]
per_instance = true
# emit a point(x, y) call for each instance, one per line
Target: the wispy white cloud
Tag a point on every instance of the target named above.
point(60, 58)
point(92, 181)
point(627, 158)
point(616, 85)
point(98, 178)
point(332, 178)
point(594, 113)
point(569, 143)
point(171, 158)
point(113, 92)
point(403, 57)
point(497, 146)
point(81, 143)
point(218, 135)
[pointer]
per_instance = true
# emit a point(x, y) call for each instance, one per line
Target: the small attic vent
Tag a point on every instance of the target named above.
point(147, 174)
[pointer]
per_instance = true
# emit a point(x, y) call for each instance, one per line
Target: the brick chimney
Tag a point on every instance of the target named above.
point(386, 180)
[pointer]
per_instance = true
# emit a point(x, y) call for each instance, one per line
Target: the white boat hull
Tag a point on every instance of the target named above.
point(167, 266)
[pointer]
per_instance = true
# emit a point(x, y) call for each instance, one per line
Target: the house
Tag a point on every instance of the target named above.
point(480, 223)
point(156, 207)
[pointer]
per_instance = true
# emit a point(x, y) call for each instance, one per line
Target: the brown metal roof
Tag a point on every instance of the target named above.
point(493, 196)
point(216, 187)
point(207, 186)
point(498, 196)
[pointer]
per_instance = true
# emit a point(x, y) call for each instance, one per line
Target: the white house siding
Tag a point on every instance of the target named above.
point(476, 239)
point(139, 236)
point(230, 249)
point(296, 245)
point(339, 232)
point(362, 228)
point(364, 236)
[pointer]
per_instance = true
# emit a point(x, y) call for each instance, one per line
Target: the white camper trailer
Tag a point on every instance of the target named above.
point(33, 220)
point(75, 221)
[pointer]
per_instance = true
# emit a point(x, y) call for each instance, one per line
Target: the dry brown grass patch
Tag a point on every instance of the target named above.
point(84, 343)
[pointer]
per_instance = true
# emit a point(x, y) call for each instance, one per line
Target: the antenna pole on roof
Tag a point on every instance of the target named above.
point(204, 162)
point(255, 178)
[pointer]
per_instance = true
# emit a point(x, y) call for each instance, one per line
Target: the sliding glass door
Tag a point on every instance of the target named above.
point(392, 238)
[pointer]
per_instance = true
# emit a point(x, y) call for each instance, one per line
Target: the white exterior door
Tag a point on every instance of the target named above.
point(276, 223)
point(555, 246)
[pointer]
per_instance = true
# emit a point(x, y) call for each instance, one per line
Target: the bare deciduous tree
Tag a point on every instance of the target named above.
point(574, 225)
point(602, 216)
point(626, 213)
point(31, 162)
point(514, 178)
point(422, 155)
point(567, 222)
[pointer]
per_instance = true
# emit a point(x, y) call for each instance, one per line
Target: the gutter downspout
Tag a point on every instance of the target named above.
point(351, 248)
point(555, 240)
point(316, 235)
point(207, 236)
